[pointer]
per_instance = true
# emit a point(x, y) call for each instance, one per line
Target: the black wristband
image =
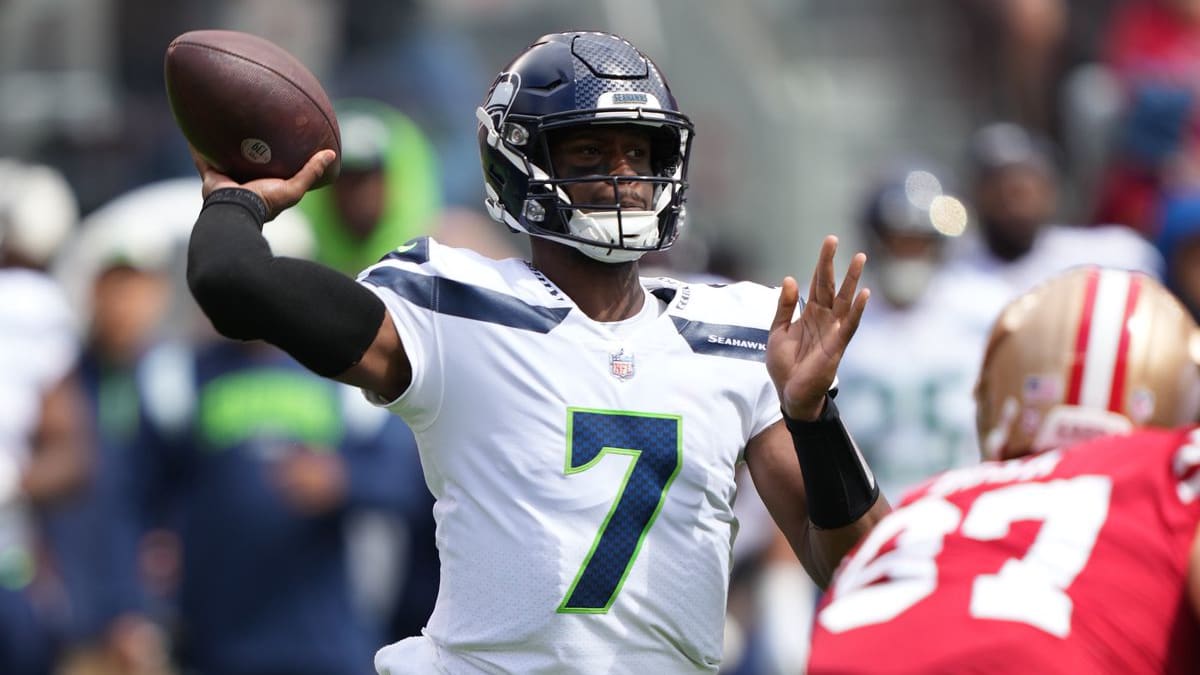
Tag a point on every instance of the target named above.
point(840, 486)
point(247, 199)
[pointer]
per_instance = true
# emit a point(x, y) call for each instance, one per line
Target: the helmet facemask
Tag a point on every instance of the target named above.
point(606, 226)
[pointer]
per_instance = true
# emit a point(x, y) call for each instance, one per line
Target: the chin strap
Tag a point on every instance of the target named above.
point(602, 227)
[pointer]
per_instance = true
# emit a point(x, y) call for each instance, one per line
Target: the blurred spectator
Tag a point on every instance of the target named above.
point(43, 458)
point(1014, 193)
point(147, 227)
point(912, 414)
point(258, 466)
point(387, 192)
point(1018, 50)
point(118, 271)
point(44, 448)
point(1153, 50)
point(1179, 243)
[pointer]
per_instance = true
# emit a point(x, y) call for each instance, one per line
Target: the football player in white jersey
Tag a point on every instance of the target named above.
point(907, 382)
point(579, 425)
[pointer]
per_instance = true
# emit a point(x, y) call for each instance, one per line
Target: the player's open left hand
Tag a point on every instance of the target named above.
point(278, 193)
point(803, 355)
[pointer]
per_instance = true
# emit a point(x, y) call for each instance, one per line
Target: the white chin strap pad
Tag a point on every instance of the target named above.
point(640, 229)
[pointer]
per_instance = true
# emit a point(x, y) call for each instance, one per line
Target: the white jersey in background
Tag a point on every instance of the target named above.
point(906, 390)
point(584, 472)
point(989, 283)
point(38, 348)
point(908, 377)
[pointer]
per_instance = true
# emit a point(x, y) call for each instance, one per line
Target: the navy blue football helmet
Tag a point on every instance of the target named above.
point(565, 81)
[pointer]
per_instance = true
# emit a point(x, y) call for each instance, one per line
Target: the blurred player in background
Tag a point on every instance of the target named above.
point(117, 272)
point(387, 191)
point(44, 431)
point(907, 382)
point(584, 494)
point(1075, 546)
point(1014, 243)
point(259, 467)
point(258, 470)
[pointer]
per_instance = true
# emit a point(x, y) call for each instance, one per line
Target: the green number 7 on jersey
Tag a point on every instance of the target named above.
point(654, 442)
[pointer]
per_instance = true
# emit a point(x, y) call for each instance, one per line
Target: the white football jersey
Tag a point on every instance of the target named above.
point(908, 376)
point(906, 390)
point(980, 284)
point(38, 347)
point(584, 471)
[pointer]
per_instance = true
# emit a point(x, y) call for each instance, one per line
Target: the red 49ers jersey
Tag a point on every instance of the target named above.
point(1071, 561)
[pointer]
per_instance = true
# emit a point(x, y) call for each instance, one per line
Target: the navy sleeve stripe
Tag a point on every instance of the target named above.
point(736, 342)
point(454, 298)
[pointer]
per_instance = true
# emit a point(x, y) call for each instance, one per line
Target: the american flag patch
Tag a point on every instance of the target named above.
point(1042, 389)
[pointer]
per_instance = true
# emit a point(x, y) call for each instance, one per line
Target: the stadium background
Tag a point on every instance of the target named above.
point(799, 104)
point(795, 100)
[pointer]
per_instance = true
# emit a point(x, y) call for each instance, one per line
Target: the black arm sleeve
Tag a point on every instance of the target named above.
point(840, 486)
point(321, 317)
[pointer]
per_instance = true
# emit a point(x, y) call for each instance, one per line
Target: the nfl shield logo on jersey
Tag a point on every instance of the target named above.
point(621, 364)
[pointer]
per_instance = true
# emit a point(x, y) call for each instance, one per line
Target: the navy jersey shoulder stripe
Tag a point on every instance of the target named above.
point(737, 342)
point(454, 298)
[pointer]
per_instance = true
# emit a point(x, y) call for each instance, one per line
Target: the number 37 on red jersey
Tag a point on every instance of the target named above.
point(1041, 545)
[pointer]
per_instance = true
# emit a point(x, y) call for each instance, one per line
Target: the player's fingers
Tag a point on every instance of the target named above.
point(846, 294)
point(849, 324)
point(789, 295)
point(823, 287)
point(310, 172)
point(316, 167)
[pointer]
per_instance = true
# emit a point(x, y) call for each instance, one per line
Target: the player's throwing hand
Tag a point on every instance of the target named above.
point(803, 355)
point(277, 193)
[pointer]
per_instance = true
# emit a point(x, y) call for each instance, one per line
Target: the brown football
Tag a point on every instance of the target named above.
point(248, 106)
